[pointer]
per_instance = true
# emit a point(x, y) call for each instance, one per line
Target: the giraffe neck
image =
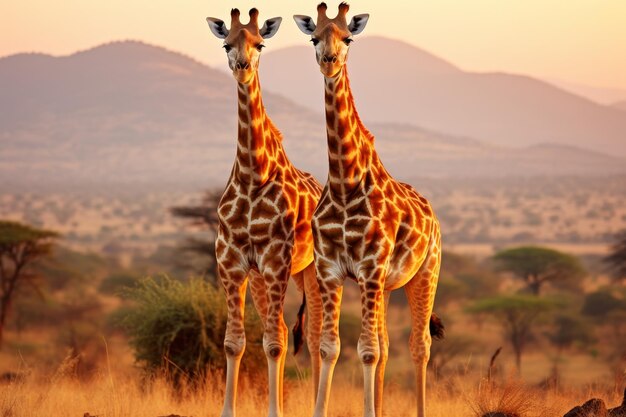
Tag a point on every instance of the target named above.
point(258, 142)
point(350, 144)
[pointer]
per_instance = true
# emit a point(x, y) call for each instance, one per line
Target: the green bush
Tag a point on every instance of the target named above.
point(178, 328)
point(117, 283)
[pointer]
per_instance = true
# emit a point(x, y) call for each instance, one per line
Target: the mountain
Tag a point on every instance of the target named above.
point(124, 111)
point(621, 105)
point(131, 113)
point(396, 82)
point(602, 95)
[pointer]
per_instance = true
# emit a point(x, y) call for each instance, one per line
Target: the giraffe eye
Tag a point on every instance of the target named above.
point(228, 48)
point(315, 41)
point(260, 47)
point(348, 41)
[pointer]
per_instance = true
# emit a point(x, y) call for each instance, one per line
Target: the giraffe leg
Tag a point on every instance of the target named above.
point(383, 342)
point(420, 291)
point(258, 290)
point(313, 322)
point(330, 292)
point(234, 284)
point(259, 294)
point(368, 347)
point(275, 338)
point(281, 371)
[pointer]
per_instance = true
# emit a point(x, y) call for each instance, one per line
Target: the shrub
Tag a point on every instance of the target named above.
point(178, 329)
point(117, 283)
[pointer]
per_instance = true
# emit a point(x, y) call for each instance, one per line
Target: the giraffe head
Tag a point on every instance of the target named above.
point(331, 37)
point(243, 43)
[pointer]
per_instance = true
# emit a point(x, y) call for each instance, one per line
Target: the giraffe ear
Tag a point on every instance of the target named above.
point(357, 24)
point(305, 23)
point(217, 27)
point(270, 27)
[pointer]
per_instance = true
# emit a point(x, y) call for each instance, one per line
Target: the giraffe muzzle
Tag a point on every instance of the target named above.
point(242, 65)
point(329, 59)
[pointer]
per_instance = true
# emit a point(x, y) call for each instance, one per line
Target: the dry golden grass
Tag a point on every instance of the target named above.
point(108, 395)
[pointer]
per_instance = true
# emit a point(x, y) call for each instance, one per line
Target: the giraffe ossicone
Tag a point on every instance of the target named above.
point(368, 227)
point(264, 235)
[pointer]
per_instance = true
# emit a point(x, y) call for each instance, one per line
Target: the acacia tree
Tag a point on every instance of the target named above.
point(607, 308)
point(204, 216)
point(517, 315)
point(616, 259)
point(20, 246)
point(538, 266)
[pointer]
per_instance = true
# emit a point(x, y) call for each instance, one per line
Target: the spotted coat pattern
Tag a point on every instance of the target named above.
point(367, 227)
point(264, 233)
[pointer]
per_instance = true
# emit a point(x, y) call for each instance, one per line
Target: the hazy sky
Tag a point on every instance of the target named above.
point(582, 41)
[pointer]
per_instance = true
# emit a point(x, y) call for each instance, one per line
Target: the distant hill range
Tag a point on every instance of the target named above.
point(620, 105)
point(602, 95)
point(397, 82)
point(132, 113)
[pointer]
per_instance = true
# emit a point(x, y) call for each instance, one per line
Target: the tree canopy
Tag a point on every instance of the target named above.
point(15, 235)
point(202, 251)
point(20, 246)
point(538, 266)
point(517, 315)
point(616, 259)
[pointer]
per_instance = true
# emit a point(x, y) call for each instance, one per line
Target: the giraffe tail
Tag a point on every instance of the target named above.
point(298, 328)
point(437, 329)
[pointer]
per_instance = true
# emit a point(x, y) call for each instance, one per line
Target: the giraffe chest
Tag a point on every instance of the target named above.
point(371, 233)
point(259, 228)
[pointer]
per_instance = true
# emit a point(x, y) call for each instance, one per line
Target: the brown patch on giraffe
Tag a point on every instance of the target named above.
point(240, 240)
point(341, 103)
point(242, 137)
point(334, 168)
point(371, 287)
point(264, 210)
point(260, 232)
point(243, 115)
point(330, 121)
point(342, 130)
point(278, 229)
point(329, 99)
point(242, 207)
point(339, 85)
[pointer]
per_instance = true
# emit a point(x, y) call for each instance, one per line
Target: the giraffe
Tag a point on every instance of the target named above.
point(264, 232)
point(368, 227)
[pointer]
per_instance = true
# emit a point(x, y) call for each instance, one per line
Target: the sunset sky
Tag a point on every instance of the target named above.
point(580, 41)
